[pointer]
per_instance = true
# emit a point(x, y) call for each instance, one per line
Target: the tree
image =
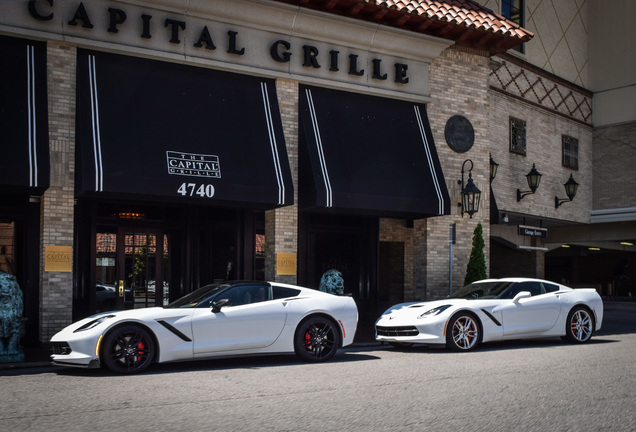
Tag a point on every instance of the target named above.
point(476, 268)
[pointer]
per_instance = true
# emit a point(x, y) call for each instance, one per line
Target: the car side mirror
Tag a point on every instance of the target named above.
point(521, 295)
point(216, 307)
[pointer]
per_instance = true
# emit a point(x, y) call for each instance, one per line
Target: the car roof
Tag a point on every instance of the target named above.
point(518, 279)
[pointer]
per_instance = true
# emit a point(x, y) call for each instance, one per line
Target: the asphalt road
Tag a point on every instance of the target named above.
point(542, 385)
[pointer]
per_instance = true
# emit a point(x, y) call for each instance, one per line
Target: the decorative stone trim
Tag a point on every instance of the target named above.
point(538, 89)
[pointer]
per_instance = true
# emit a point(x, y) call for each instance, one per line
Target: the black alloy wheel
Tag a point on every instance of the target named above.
point(128, 349)
point(316, 340)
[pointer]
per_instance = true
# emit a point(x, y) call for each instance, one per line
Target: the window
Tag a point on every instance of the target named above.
point(550, 287)
point(517, 136)
point(570, 152)
point(535, 288)
point(247, 294)
point(513, 10)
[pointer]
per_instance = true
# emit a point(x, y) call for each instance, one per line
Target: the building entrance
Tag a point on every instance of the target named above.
point(132, 268)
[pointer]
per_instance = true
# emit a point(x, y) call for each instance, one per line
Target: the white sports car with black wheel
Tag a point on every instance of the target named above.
point(218, 320)
point(495, 310)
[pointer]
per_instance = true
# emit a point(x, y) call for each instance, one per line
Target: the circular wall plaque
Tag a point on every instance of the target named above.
point(459, 134)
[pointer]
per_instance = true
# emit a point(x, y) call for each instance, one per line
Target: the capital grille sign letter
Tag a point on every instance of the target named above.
point(195, 165)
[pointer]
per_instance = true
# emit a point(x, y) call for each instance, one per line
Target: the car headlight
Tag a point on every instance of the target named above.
point(94, 323)
point(433, 312)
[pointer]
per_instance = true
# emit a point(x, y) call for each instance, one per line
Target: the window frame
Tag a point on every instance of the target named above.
point(569, 140)
point(511, 136)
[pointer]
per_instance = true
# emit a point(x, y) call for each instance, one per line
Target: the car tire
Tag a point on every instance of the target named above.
point(128, 349)
point(463, 332)
point(317, 339)
point(579, 326)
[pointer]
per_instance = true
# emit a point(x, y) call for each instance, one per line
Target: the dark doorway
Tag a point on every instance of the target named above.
point(390, 275)
point(348, 244)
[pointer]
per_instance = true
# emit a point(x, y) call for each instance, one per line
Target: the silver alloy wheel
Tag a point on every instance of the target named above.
point(581, 325)
point(465, 332)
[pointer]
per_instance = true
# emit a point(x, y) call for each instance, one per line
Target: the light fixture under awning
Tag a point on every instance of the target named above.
point(163, 131)
point(366, 154)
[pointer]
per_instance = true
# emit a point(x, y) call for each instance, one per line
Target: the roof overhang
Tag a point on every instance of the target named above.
point(464, 21)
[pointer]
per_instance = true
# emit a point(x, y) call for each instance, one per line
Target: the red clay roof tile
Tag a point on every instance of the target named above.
point(449, 19)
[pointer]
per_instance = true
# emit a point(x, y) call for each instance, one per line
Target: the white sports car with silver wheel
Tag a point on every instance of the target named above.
point(495, 310)
point(218, 320)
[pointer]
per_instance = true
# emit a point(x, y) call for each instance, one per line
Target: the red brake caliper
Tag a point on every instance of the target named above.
point(141, 346)
point(307, 340)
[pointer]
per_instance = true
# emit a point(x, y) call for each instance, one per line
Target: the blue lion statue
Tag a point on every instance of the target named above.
point(11, 307)
point(332, 282)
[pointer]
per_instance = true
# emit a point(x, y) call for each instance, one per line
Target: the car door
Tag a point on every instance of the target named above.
point(252, 322)
point(531, 315)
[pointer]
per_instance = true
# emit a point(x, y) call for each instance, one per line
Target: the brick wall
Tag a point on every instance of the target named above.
point(549, 114)
point(614, 158)
point(281, 225)
point(57, 204)
point(459, 85)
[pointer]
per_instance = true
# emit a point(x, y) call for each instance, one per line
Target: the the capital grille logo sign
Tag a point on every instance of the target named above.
point(194, 165)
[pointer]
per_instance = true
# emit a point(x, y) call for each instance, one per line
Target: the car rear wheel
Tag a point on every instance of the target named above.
point(463, 332)
point(128, 349)
point(316, 340)
point(579, 326)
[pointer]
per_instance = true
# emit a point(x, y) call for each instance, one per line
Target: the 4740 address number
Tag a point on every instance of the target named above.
point(194, 190)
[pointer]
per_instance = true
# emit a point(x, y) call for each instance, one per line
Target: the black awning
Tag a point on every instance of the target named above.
point(367, 154)
point(156, 130)
point(24, 165)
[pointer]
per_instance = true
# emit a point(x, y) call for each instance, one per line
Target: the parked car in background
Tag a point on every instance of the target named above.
point(495, 310)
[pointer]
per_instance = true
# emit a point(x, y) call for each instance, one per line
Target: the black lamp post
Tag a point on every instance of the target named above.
point(534, 178)
point(471, 195)
point(571, 186)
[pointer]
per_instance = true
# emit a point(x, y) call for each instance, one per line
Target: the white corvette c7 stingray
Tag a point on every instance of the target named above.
point(495, 310)
point(219, 320)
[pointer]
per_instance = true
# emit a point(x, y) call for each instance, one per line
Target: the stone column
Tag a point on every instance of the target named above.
point(57, 204)
point(281, 225)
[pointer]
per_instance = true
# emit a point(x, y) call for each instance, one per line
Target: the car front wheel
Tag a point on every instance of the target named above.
point(316, 340)
point(579, 326)
point(128, 349)
point(463, 332)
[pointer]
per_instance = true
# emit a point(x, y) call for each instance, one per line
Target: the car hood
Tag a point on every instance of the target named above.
point(106, 319)
point(415, 309)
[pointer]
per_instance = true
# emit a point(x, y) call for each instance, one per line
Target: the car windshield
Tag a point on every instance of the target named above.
point(482, 290)
point(196, 297)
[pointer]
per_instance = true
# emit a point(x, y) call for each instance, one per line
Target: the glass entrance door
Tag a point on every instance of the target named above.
point(133, 269)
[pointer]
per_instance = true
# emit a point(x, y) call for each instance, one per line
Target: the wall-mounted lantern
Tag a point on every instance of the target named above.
point(471, 195)
point(534, 178)
point(571, 187)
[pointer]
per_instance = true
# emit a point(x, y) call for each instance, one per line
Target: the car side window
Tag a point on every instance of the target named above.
point(284, 292)
point(247, 294)
point(550, 287)
point(535, 288)
point(511, 291)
